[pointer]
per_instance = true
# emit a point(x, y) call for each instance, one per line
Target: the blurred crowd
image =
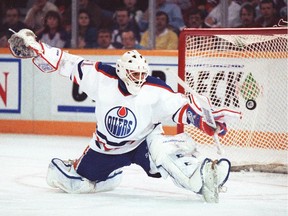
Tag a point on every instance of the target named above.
point(123, 24)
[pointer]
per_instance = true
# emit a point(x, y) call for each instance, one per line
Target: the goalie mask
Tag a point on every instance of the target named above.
point(132, 69)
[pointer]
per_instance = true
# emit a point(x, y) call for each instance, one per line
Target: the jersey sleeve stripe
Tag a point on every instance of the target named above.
point(80, 73)
point(160, 86)
point(98, 67)
point(181, 114)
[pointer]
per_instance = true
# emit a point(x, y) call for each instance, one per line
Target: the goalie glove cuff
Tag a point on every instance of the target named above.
point(48, 61)
point(221, 128)
point(197, 120)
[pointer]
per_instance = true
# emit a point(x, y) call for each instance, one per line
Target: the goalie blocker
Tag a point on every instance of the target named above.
point(174, 156)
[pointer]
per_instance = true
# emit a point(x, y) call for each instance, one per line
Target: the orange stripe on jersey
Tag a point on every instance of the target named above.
point(183, 109)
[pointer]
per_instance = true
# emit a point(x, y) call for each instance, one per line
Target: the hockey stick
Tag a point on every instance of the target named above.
point(206, 110)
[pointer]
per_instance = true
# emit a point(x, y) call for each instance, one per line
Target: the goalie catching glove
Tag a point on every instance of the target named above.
point(48, 59)
point(23, 44)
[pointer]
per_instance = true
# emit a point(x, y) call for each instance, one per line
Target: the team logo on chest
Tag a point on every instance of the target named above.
point(120, 122)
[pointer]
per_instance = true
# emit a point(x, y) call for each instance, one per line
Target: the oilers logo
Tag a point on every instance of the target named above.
point(120, 122)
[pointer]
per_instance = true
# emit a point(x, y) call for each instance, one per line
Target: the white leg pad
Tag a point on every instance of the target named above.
point(176, 156)
point(114, 179)
point(214, 175)
point(64, 177)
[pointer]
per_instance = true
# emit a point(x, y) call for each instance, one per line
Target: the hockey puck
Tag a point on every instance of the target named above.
point(251, 104)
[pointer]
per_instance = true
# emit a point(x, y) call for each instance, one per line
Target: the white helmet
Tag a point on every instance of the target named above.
point(133, 69)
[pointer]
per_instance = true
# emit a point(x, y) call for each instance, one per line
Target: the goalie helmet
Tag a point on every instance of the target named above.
point(132, 68)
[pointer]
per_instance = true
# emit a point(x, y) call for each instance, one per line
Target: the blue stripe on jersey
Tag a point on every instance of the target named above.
point(102, 136)
point(80, 70)
point(110, 71)
point(158, 83)
point(106, 69)
point(122, 88)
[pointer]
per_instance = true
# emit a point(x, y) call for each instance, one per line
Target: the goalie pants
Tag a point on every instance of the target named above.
point(96, 166)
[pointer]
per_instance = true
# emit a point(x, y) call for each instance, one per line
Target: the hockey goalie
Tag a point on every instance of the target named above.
point(130, 106)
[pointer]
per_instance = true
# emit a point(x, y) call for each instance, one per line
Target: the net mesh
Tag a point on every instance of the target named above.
point(246, 73)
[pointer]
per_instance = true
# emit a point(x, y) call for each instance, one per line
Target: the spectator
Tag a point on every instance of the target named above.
point(12, 20)
point(99, 17)
point(123, 23)
point(185, 7)
point(213, 19)
point(165, 37)
point(129, 40)
point(255, 4)
point(176, 22)
point(183, 4)
point(268, 17)
point(35, 15)
point(104, 39)
point(135, 12)
point(87, 33)
point(2, 10)
point(64, 7)
point(53, 33)
point(195, 19)
point(247, 16)
point(3, 39)
point(109, 5)
point(283, 14)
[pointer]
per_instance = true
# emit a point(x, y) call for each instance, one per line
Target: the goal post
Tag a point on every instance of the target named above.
point(245, 70)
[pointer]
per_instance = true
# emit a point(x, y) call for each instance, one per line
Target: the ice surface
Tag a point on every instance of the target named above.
point(23, 189)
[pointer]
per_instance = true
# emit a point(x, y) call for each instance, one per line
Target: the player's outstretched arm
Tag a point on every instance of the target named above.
point(48, 59)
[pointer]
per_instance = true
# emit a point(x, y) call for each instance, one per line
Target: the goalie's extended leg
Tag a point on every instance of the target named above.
point(62, 175)
point(176, 156)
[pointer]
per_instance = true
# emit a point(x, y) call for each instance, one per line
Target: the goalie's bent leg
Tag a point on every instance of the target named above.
point(62, 175)
point(177, 157)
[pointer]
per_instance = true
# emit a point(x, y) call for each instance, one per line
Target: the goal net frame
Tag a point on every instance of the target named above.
point(196, 54)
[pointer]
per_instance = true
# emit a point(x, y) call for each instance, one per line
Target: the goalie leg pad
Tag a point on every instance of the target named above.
point(63, 176)
point(214, 174)
point(176, 156)
point(113, 180)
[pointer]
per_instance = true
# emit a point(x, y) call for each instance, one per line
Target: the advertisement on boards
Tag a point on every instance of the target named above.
point(10, 85)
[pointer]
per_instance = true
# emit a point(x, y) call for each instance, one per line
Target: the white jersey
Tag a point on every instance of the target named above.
point(124, 120)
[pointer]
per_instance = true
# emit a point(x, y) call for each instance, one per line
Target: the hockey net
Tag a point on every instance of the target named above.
point(245, 70)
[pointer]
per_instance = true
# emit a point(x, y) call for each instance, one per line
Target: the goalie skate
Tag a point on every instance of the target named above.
point(214, 175)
